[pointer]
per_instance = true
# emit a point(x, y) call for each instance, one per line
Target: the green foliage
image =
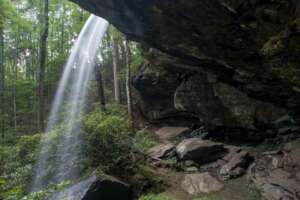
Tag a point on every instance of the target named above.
point(255, 194)
point(161, 196)
point(206, 198)
point(47, 192)
point(107, 135)
point(7, 12)
point(143, 141)
point(137, 58)
point(21, 26)
point(109, 138)
point(16, 166)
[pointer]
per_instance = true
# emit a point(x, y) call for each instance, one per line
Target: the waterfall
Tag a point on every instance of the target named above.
point(67, 107)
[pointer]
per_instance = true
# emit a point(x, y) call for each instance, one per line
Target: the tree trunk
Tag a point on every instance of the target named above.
point(128, 88)
point(43, 58)
point(62, 29)
point(115, 56)
point(15, 86)
point(100, 88)
point(2, 83)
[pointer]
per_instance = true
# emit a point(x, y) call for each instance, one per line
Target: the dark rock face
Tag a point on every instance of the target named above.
point(108, 188)
point(96, 187)
point(196, 95)
point(156, 90)
point(192, 97)
point(250, 45)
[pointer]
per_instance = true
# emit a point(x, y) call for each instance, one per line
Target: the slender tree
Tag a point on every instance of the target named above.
point(43, 59)
point(15, 84)
point(115, 56)
point(100, 86)
point(128, 78)
point(2, 81)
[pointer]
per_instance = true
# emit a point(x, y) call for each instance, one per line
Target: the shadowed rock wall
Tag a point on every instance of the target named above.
point(229, 54)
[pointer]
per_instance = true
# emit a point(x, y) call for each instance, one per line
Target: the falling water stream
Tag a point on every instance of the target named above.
point(57, 162)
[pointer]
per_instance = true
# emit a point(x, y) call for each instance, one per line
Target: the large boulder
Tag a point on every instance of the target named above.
point(155, 97)
point(162, 151)
point(199, 183)
point(96, 187)
point(108, 188)
point(200, 151)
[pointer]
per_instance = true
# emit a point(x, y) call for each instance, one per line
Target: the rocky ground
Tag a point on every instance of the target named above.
point(203, 167)
point(190, 163)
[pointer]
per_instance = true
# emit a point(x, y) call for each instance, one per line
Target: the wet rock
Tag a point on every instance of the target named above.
point(200, 151)
point(171, 133)
point(96, 187)
point(162, 151)
point(108, 188)
point(237, 164)
point(199, 183)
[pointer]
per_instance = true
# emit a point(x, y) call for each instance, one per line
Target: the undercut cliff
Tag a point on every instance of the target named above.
point(232, 63)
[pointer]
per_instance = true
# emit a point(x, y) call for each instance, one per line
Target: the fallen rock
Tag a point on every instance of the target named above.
point(162, 151)
point(199, 183)
point(276, 175)
point(278, 184)
point(236, 165)
point(170, 133)
point(200, 151)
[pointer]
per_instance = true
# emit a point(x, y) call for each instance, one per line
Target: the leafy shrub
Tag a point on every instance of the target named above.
point(16, 166)
point(107, 135)
point(143, 141)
